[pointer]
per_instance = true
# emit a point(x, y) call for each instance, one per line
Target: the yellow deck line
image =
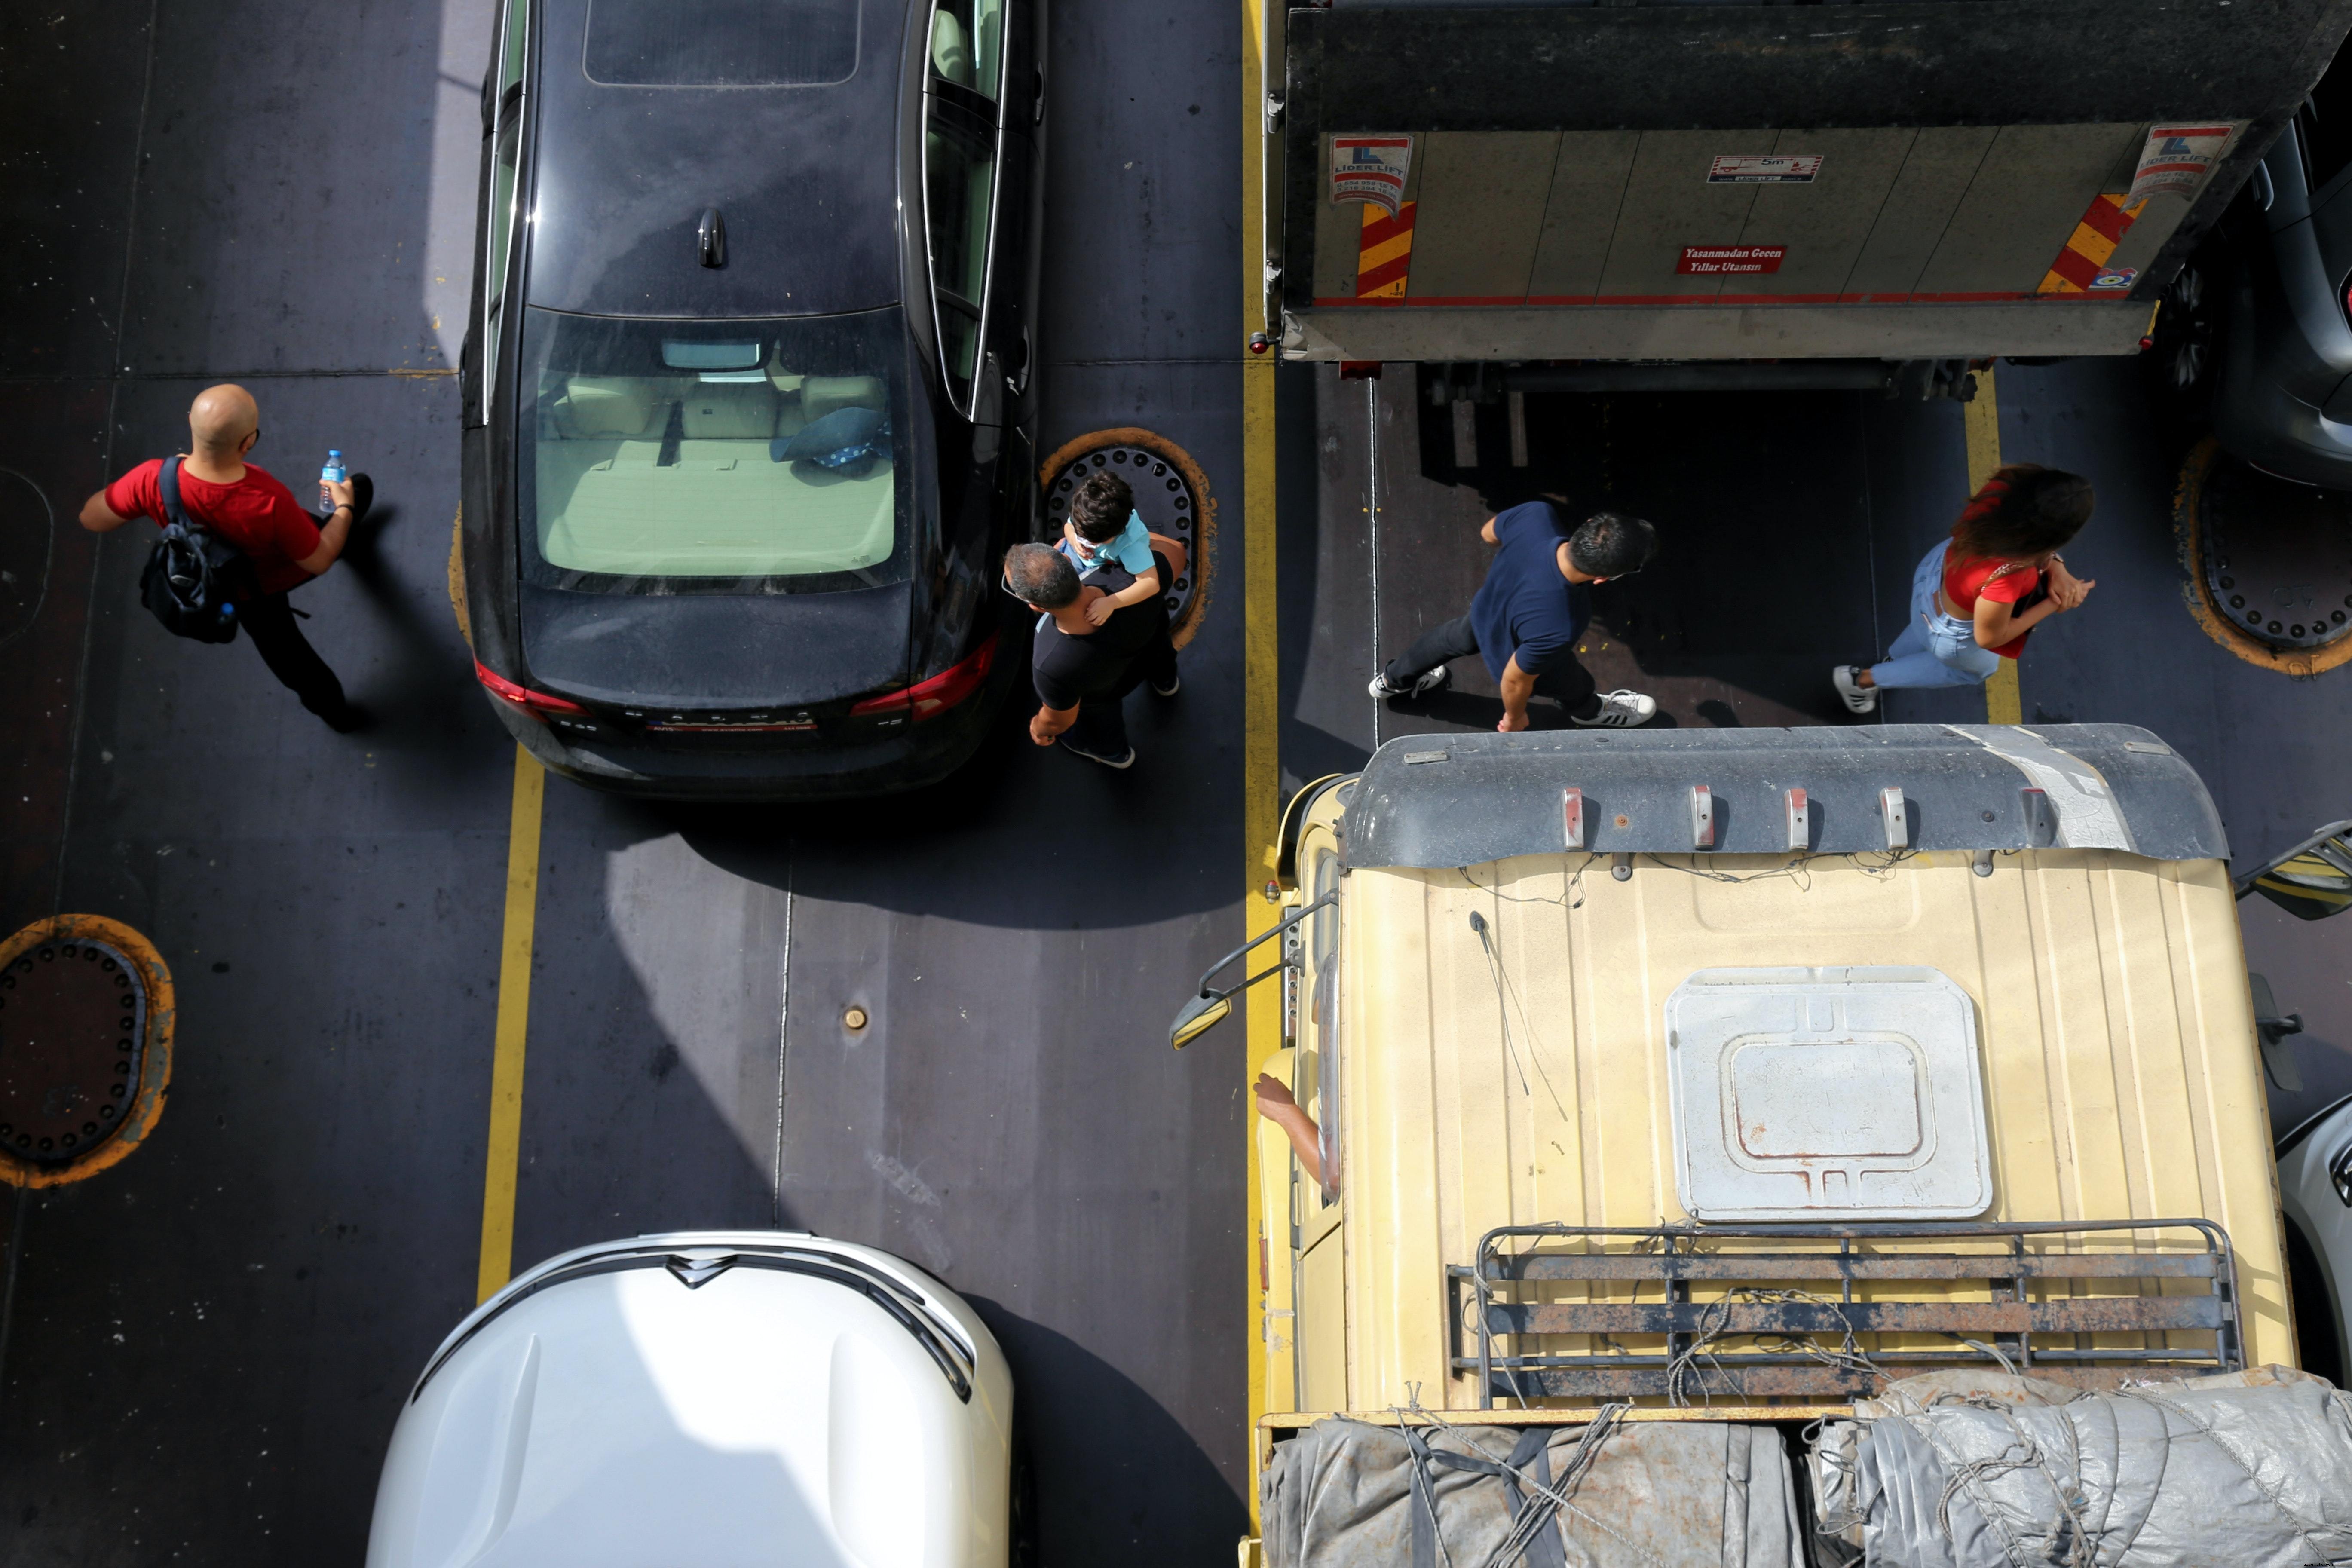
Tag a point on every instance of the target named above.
point(1981, 418)
point(505, 1151)
point(1261, 766)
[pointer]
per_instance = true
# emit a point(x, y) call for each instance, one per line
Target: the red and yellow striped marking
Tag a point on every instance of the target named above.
point(2094, 239)
point(1384, 255)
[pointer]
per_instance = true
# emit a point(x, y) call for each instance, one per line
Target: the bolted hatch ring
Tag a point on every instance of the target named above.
point(1171, 496)
point(2277, 557)
point(2269, 562)
point(85, 1047)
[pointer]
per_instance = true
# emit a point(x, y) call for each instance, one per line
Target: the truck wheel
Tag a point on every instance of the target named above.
point(2180, 359)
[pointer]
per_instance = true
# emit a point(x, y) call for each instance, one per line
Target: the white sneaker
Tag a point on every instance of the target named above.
point(1428, 681)
point(1859, 698)
point(1620, 711)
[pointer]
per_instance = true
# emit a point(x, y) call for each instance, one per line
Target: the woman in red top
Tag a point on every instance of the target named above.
point(1978, 593)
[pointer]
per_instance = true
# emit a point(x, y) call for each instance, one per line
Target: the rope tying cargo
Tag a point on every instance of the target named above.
point(1535, 1513)
point(1713, 1318)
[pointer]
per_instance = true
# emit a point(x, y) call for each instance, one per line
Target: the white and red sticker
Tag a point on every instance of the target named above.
point(1764, 169)
point(1371, 169)
point(1711, 260)
point(2175, 159)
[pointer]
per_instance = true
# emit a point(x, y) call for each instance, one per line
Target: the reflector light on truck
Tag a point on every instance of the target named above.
point(930, 699)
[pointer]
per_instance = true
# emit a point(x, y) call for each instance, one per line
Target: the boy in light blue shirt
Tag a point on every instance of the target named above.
point(1106, 529)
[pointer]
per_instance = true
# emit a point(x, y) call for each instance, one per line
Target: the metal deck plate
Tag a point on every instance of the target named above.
point(72, 1032)
point(1826, 1094)
point(2278, 557)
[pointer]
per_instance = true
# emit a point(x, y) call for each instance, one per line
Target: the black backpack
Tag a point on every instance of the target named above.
point(195, 579)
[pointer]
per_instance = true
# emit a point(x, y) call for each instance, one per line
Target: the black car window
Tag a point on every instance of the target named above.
point(2327, 125)
point(670, 456)
point(503, 159)
point(721, 43)
point(505, 153)
point(960, 171)
point(967, 44)
point(510, 47)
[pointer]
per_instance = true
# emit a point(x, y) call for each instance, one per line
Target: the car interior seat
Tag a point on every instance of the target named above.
point(600, 407)
point(728, 411)
point(987, 26)
point(951, 50)
point(823, 394)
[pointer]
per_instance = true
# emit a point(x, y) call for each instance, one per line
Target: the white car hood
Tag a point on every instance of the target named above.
point(625, 1420)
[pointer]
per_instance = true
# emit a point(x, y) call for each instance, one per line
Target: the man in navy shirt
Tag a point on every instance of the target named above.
point(1529, 614)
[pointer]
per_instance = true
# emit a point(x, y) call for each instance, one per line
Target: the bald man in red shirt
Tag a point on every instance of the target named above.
point(246, 505)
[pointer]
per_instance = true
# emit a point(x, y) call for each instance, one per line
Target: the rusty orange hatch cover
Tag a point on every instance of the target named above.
point(73, 1024)
point(83, 1055)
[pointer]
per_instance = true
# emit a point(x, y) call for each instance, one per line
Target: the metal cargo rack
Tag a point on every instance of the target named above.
point(1783, 1320)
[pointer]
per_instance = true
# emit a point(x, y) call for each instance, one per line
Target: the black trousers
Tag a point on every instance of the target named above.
point(1564, 680)
point(269, 621)
point(1101, 724)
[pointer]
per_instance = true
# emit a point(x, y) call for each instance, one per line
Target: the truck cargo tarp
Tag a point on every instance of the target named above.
point(1347, 1494)
point(1982, 1471)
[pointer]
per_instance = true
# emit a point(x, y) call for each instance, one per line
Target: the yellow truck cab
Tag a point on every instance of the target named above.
point(1723, 1080)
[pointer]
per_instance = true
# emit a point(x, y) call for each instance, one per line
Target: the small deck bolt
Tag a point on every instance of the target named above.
point(852, 1019)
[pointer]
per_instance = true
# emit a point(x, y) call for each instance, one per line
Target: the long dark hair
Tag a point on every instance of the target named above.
point(2024, 511)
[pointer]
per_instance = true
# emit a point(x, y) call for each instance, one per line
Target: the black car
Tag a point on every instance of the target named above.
point(2255, 337)
point(748, 414)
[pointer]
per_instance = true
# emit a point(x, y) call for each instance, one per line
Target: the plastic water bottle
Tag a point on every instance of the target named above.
point(332, 474)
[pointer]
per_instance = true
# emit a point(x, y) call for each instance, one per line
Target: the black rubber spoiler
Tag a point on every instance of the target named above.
point(1434, 801)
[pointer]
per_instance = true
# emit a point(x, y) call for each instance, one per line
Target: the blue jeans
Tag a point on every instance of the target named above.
point(1935, 649)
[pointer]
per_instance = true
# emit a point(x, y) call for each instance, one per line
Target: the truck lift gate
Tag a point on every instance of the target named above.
point(1625, 182)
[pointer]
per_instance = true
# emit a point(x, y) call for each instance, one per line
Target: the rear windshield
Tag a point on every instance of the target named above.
point(712, 457)
point(721, 43)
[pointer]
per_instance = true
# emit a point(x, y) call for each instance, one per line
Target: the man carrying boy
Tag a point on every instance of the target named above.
point(1105, 530)
point(1083, 672)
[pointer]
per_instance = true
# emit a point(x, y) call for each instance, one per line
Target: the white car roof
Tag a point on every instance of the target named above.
point(616, 1415)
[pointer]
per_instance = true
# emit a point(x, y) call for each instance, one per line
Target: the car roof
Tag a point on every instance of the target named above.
point(806, 179)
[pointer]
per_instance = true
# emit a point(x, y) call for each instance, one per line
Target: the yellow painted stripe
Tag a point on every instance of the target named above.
point(1387, 250)
point(2090, 242)
point(1261, 669)
point(1981, 418)
point(514, 1017)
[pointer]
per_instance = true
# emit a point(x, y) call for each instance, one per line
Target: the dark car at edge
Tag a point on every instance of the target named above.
point(748, 419)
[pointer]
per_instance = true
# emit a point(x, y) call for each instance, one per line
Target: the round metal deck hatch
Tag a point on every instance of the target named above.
point(1171, 496)
point(2276, 557)
point(85, 1051)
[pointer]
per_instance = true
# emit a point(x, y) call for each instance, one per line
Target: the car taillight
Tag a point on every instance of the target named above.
point(538, 704)
point(930, 699)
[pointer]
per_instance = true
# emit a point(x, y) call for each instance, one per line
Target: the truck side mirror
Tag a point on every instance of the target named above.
point(1205, 1011)
point(1197, 1017)
point(2312, 881)
point(2270, 1029)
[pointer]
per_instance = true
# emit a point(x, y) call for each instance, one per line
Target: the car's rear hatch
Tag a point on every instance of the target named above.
point(722, 670)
